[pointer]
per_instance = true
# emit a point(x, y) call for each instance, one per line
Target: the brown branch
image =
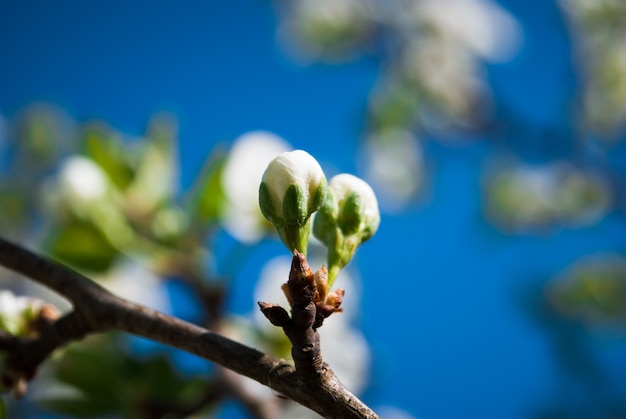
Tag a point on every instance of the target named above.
point(97, 310)
point(300, 327)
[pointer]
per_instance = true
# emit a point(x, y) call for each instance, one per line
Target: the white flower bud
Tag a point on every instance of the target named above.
point(293, 187)
point(357, 204)
point(349, 217)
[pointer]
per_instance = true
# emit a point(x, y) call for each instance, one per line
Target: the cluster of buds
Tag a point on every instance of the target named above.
point(292, 189)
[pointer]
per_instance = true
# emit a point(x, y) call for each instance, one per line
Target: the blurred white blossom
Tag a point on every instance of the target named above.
point(12, 305)
point(394, 166)
point(528, 197)
point(431, 48)
point(599, 35)
point(328, 29)
point(484, 27)
point(82, 180)
point(248, 159)
point(137, 283)
point(16, 312)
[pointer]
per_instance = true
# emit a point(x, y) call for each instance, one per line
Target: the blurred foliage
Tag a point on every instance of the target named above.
point(104, 202)
point(588, 380)
point(599, 29)
point(83, 246)
point(593, 291)
point(107, 380)
point(207, 198)
point(104, 147)
point(92, 199)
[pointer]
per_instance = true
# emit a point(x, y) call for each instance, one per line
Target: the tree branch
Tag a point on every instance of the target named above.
point(97, 310)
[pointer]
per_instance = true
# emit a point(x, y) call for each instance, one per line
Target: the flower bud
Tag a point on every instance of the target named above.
point(293, 187)
point(348, 217)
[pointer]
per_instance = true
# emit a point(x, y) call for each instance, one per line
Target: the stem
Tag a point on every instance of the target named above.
point(333, 272)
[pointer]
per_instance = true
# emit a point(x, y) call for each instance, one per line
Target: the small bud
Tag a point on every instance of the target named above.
point(293, 187)
point(335, 298)
point(328, 307)
point(275, 314)
point(348, 217)
point(321, 283)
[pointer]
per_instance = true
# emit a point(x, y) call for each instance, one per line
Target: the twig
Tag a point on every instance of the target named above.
point(299, 328)
point(97, 310)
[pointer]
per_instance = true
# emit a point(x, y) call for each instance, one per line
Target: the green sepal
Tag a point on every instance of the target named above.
point(325, 224)
point(266, 204)
point(295, 237)
point(350, 217)
point(367, 233)
point(318, 199)
point(295, 206)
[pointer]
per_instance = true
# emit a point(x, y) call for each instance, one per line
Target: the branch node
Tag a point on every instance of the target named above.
point(277, 315)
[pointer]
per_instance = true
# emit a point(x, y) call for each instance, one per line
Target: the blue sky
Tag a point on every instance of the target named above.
point(443, 291)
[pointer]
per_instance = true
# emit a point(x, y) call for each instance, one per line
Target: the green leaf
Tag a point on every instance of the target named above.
point(94, 368)
point(83, 246)
point(157, 169)
point(102, 145)
point(207, 196)
point(3, 409)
